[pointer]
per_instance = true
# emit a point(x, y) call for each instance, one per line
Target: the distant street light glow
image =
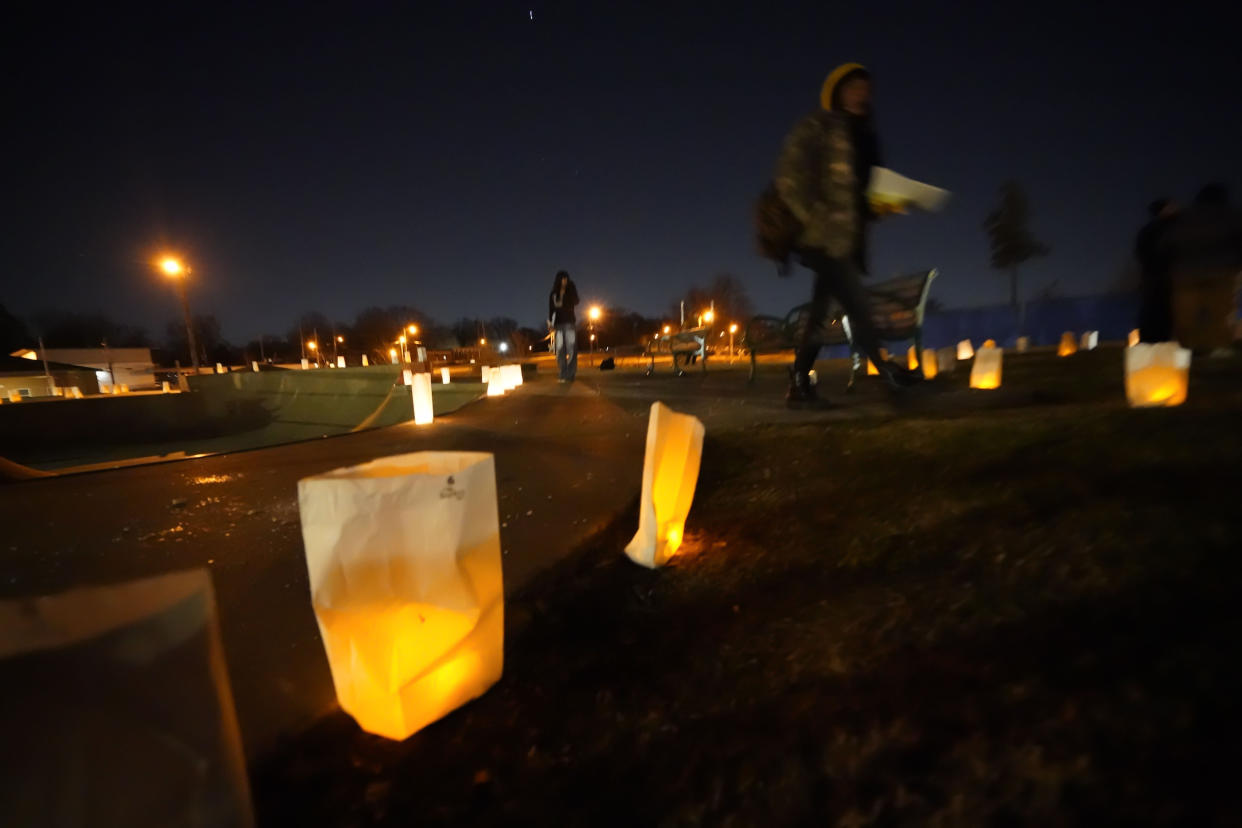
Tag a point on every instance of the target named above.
point(594, 313)
point(413, 329)
point(709, 316)
point(312, 344)
point(504, 347)
point(171, 266)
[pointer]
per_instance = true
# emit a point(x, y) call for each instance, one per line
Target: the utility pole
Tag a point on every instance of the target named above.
point(51, 385)
point(189, 322)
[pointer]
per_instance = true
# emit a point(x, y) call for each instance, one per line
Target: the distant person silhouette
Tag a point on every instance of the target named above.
point(1152, 249)
point(822, 176)
point(1205, 244)
point(563, 322)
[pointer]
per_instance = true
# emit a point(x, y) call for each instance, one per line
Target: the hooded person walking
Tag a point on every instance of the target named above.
point(822, 177)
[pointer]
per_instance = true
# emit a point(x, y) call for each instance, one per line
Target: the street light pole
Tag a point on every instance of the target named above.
point(189, 322)
point(593, 315)
point(174, 269)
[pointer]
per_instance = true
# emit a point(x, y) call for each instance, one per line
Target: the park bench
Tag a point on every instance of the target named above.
point(897, 308)
point(685, 346)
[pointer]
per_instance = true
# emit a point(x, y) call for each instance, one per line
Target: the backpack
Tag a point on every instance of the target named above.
point(776, 229)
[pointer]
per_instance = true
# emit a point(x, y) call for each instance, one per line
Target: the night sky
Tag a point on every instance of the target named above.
point(454, 160)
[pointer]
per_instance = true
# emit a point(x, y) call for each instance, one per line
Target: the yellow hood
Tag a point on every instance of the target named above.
point(834, 78)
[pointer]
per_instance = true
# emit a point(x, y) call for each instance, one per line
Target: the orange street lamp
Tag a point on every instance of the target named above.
point(667, 328)
point(709, 316)
point(732, 331)
point(174, 269)
point(594, 313)
point(413, 329)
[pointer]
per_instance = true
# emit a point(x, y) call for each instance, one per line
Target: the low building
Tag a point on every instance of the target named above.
point(112, 366)
point(27, 379)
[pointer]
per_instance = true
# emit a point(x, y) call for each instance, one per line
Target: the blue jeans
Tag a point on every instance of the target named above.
point(565, 342)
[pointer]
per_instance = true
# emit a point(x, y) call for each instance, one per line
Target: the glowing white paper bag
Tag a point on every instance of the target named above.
point(404, 561)
point(424, 410)
point(965, 350)
point(930, 364)
point(365, 361)
point(1090, 339)
point(116, 709)
point(1133, 338)
point(340, 362)
point(946, 359)
point(670, 473)
point(1023, 344)
point(986, 371)
point(495, 386)
point(1069, 344)
point(444, 376)
point(305, 364)
point(1157, 374)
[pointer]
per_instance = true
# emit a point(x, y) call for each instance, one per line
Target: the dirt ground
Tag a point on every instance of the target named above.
point(1015, 615)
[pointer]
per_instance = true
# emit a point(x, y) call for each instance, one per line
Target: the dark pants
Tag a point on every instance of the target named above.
point(837, 279)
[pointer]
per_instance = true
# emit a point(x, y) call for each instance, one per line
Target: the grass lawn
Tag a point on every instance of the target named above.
point(1013, 616)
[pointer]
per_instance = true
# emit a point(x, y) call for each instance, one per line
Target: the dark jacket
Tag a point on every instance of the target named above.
point(561, 309)
point(1204, 237)
point(822, 175)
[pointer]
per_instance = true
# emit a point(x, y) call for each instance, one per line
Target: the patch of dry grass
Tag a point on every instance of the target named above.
point(1020, 617)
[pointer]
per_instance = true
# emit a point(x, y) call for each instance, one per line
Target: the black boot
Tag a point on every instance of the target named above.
point(899, 377)
point(801, 393)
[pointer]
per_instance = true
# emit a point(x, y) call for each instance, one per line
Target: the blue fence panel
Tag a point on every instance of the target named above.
point(1114, 315)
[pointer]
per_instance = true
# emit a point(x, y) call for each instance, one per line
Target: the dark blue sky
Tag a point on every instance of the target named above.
point(454, 161)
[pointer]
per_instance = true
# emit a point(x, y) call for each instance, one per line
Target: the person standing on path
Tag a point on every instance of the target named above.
point(561, 319)
point(1152, 249)
point(822, 177)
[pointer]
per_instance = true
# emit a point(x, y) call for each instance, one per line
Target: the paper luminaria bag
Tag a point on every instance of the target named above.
point(965, 350)
point(931, 365)
point(670, 474)
point(116, 709)
point(424, 406)
point(986, 372)
point(1157, 374)
point(1069, 344)
point(405, 573)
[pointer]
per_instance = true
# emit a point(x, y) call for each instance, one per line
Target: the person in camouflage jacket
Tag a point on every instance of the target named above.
point(822, 175)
